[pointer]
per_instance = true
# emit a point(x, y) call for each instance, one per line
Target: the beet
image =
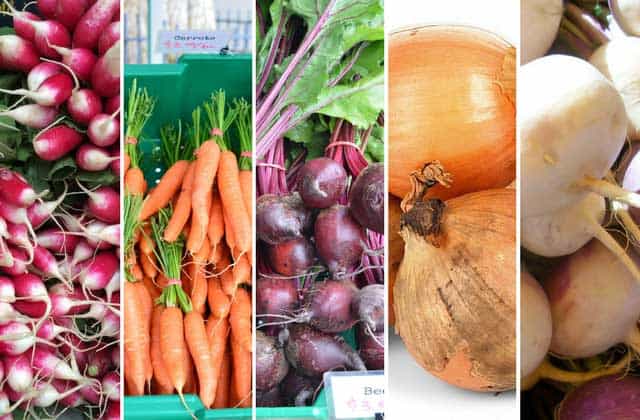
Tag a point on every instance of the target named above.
point(298, 390)
point(609, 397)
point(371, 348)
point(292, 257)
point(321, 182)
point(280, 218)
point(366, 198)
point(275, 296)
point(327, 306)
point(271, 365)
point(368, 306)
point(270, 398)
point(339, 240)
point(312, 352)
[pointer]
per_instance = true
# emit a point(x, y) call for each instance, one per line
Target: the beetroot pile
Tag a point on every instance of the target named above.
point(320, 275)
point(60, 210)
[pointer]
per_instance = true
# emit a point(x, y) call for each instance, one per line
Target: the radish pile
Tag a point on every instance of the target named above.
point(60, 210)
point(581, 268)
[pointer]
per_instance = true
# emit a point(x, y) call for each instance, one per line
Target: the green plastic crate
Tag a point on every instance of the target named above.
point(179, 89)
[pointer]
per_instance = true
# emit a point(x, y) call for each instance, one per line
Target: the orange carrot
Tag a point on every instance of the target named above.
point(217, 252)
point(186, 276)
point(246, 185)
point(146, 243)
point(146, 303)
point(232, 201)
point(234, 401)
point(165, 190)
point(215, 229)
point(240, 319)
point(194, 244)
point(136, 272)
point(173, 346)
point(222, 391)
point(219, 302)
point(136, 339)
point(126, 163)
point(228, 233)
point(224, 259)
point(217, 332)
point(134, 182)
point(241, 275)
point(208, 156)
point(149, 265)
point(199, 279)
point(191, 384)
point(182, 209)
point(241, 371)
point(160, 372)
point(153, 290)
point(198, 344)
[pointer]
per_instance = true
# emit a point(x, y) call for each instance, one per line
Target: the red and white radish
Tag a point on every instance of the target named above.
point(94, 22)
point(104, 130)
point(17, 53)
point(105, 79)
point(55, 142)
point(32, 115)
point(84, 105)
point(109, 37)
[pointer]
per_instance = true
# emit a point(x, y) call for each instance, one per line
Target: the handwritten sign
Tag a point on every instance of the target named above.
point(355, 395)
point(191, 41)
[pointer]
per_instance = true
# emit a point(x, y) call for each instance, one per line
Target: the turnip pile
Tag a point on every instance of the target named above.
point(579, 186)
point(60, 210)
point(320, 205)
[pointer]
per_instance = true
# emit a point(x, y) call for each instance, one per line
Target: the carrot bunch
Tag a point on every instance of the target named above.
point(193, 246)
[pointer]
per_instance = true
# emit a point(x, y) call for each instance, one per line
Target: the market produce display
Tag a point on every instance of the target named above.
point(320, 195)
point(581, 290)
point(187, 297)
point(452, 213)
point(60, 211)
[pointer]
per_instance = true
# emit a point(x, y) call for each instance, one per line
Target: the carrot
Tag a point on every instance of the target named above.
point(182, 209)
point(224, 260)
point(148, 264)
point(217, 333)
point(206, 167)
point(222, 391)
point(198, 344)
point(228, 233)
point(241, 371)
point(246, 186)
point(186, 277)
point(146, 303)
point(241, 274)
point(134, 182)
point(232, 201)
point(165, 190)
point(215, 229)
point(153, 290)
point(136, 339)
point(199, 279)
point(191, 384)
point(240, 319)
point(219, 302)
point(136, 272)
point(126, 163)
point(161, 281)
point(160, 372)
point(234, 401)
point(173, 347)
point(217, 252)
point(146, 243)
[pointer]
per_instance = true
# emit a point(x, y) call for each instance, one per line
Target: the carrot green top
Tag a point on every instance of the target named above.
point(243, 125)
point(139, 109)
point(220, 118)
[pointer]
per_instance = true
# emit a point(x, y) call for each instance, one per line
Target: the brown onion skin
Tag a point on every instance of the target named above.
point(451, 98)
point(460, 296)
point(292, 257)
point(366, 198)
point(271, 365)
point(610, 397)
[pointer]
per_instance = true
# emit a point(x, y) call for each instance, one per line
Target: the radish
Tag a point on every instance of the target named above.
point(111, 386)
point(57, 240)
point(49, 395)
point(67, 398)
point(32, 296)
point(69, 12)
point(19, 261)
point(540, 20)
point(94, 22)
point(535, 324)
point(80, 60)
point(40, 212)
point(113, 411)
point(42, 72)
point(44, 261)
point(104, 204)
point(105, 79)
point(32, 115)
point(53, 91)
point(627, 15)
point(7, 292)
point(19, 372)
point(104, 130)
point(51, 365)
point(103, 236)
point(92, 158)
point(95, 274)
point(64, 302)
point(619, 61)
point(9, 314)
point(109, 37)
point(17, 53)
point(15, 189)
point(22, 23)
point(55, 142)
point(112, 105)
point(84, 105)
point(15, 339)
point(115, 165)
point(595, 303)
point(47, 8)
point(573, 126)
point(19, 236)
point(91, 393)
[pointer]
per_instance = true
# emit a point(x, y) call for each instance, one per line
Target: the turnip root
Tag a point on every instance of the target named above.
point(611, 397)
point(595, 303)
point(572, 126)
point(460, 264)
point(271, 365)
point(627, 15)
point(539, 20)
point(535, 324)
point(619, 61)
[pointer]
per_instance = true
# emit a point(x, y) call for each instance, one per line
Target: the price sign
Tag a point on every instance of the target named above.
point(191, 41)
point(355, 395)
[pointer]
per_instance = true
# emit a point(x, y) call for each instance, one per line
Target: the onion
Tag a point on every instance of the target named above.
point(454, 297)
point(451, 98)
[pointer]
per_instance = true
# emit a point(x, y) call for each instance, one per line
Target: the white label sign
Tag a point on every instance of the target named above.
point(192, 41)
point(355, 395)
